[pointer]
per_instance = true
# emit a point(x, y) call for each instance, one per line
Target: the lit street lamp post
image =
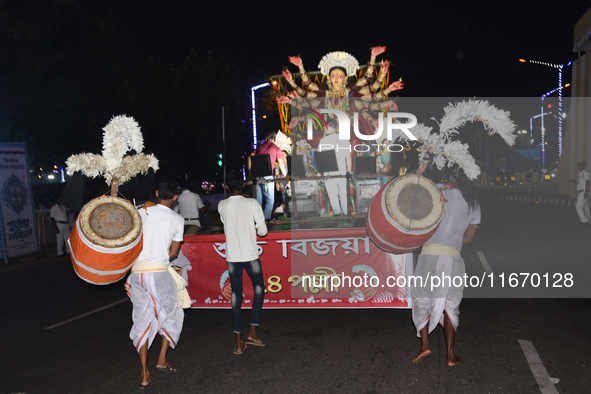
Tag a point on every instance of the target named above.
point(254, 112)
point(560, 67)
point(542, 132)
point(524, 140)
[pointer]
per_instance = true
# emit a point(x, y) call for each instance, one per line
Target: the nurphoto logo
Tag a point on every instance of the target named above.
point(345, 130)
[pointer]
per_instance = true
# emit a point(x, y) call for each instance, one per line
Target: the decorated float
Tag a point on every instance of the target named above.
point(362, 258)
point(311, 257)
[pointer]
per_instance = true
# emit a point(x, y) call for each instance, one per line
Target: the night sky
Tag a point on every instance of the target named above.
point(448, 49)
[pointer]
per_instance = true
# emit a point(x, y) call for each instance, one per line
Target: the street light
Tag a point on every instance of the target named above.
point(560, 67)
point(254, 113)
point(524, 141)
point(542, 133)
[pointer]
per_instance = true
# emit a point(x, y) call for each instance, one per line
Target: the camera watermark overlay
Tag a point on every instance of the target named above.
point(344, 125)
point(436, 284)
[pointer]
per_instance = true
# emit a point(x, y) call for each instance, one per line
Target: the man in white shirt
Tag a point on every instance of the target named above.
point(191, 208)
point(243, 220)
point(60, 221)
point(152, 289)
point(337, 187)
point(583, 190)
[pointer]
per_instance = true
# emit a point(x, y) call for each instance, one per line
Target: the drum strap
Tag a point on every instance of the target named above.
point(439, 250)
point(181, 283)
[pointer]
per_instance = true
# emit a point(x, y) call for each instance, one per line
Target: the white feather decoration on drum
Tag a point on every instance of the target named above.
point(107, 236)
point(495, 120)
point(121, 135)
point(446, 152)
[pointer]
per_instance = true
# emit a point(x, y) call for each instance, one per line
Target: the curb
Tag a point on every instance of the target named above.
point(543, 200)
point(519, 187)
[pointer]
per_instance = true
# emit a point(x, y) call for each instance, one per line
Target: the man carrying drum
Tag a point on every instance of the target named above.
point(439, 257)
point(152, 287)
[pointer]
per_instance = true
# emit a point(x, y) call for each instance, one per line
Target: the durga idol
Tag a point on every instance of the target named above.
point(338, 67)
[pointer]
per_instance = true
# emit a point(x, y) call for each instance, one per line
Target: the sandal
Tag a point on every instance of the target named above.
point(235, 351)
point(255, 342)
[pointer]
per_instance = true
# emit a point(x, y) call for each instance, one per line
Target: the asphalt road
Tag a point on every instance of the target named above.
point(42, 350)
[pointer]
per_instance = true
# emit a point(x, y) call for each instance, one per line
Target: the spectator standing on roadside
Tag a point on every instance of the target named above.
point(60, 221)
point(583, 189)
point(191, 208)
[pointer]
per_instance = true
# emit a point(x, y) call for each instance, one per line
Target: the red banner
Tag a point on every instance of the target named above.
point(338, 268)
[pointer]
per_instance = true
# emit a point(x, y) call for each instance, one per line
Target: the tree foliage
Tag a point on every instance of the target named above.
point(66, 70)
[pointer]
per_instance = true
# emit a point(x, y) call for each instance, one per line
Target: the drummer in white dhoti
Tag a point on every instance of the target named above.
point(440, 258)
point(157, 292)
point(152, 287)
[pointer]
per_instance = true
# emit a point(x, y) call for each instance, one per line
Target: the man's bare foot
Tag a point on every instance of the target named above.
point(455, 361)
point(423, 354)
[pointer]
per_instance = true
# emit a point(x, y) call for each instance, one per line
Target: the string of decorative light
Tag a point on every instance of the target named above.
point(254, 112)
point(560, 68)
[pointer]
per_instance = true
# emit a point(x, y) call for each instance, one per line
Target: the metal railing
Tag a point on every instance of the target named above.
point(45, 230)
point(348, 176)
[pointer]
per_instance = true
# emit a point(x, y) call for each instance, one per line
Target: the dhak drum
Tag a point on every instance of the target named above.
point(404, 214)
point(106, 240)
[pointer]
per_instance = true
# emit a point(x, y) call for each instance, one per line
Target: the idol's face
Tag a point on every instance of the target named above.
point(337, 77)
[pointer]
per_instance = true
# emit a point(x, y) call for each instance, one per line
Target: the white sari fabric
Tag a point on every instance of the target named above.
point(429, 302)
point(156, 308)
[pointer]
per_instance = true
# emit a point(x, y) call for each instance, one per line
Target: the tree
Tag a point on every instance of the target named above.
point(67, 71)
point(59, 62)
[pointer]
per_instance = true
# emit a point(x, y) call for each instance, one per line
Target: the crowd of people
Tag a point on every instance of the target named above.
point(153, 291)
point(153, 287)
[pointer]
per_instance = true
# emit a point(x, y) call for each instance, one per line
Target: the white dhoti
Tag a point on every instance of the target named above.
point(437, 293)
point(156, 307)
point(61, 238)
point(582, 207)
